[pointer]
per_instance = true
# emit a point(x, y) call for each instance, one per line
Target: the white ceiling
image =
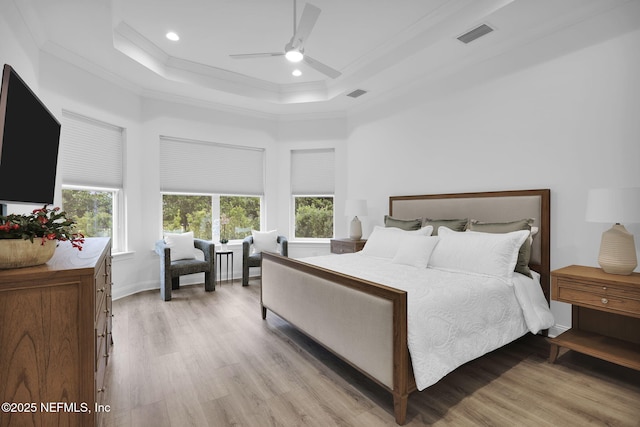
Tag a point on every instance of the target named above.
point(377, 45)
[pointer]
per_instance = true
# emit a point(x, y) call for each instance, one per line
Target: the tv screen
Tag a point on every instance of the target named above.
point(29, 140)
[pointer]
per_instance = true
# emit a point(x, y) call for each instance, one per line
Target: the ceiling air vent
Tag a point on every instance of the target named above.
point(356, 93)
point(475, 34)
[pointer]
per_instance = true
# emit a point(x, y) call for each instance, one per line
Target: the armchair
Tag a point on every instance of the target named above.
point(170, 271)
point(255, 259)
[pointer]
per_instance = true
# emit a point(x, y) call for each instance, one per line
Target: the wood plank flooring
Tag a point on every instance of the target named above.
point(208, 359)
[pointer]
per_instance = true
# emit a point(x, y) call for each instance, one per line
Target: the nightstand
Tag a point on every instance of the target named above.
point(605, 314)
point(346, 246)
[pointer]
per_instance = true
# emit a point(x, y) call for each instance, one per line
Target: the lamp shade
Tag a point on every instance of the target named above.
point(613, 205)
point(355, 207)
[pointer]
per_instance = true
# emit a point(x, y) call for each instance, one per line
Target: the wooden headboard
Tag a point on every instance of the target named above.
point(493, 206)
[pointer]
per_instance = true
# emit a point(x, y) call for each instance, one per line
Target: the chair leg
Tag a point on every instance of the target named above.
point(245, 277)
point(175, 283)
point(209, 284)
point(165, 288)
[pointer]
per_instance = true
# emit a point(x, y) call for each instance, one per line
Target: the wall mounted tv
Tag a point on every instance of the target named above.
point(29, 140)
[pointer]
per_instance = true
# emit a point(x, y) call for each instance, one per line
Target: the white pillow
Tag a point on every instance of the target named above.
point(415, 251)
point(488, 254)
point(181, 245)
point(265, 241)
point(384, 242)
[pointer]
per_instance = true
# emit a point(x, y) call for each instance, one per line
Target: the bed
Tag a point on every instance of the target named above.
point(357, 305)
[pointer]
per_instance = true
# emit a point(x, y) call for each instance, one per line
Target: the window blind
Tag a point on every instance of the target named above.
point(312, 172)
point(92, 152)
point(189, 166)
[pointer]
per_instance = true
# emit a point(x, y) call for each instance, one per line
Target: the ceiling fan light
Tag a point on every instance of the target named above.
point(173, 36)
point(294, 55)
point(296, 73)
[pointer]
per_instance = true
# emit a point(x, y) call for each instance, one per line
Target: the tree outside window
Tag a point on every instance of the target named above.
point(92, 210)
point(182, 213)
point(314, 217)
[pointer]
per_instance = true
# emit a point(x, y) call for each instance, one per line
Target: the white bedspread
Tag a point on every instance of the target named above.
point(452, 318)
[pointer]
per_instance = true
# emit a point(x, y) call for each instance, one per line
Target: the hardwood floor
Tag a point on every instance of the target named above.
point(208, 359)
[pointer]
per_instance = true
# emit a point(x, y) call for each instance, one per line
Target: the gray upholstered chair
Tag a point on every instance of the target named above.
point(255, 260)
point(170, 271)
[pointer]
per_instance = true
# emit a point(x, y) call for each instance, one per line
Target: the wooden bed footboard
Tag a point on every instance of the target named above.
point(351, 310)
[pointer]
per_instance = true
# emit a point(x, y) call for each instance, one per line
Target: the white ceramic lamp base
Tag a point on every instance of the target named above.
point(617, 251)
point(355, 231)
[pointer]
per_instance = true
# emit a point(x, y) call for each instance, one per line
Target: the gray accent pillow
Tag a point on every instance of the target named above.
point(453, 224)
point(524, 254)
point(404, 224)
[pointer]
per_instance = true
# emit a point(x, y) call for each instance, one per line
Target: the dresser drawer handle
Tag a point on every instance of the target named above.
point(604, 288)
point(101, 290)
point(101, 390)
point(604, 300)
point(101, 335)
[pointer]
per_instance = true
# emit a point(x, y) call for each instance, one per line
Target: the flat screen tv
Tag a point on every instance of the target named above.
point(29, 140)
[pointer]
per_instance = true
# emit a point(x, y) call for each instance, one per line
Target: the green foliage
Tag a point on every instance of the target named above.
point(243, 213)
point(182, 213)
point(91, 210)
point(314, 217)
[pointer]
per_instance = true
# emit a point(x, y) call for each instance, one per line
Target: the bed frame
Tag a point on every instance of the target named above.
point(365, 323)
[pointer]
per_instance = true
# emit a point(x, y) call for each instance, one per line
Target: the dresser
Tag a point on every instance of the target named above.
point(605, 314)
point(55, 337)
point(346, 246)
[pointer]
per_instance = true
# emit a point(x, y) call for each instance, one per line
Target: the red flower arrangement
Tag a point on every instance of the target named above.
point(45, 224)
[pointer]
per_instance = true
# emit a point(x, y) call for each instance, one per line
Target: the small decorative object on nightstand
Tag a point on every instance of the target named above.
point(353, 208)
point(346, 246)
point(605, 314)
point(616, 205)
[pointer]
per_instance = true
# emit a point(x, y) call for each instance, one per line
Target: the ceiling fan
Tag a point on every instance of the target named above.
point(294, 50)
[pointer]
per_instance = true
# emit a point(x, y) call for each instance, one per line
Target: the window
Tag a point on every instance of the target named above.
point(314, 216)
point(92, 177)
point(182, 213)
point(238, 216)
point(312, 187)
point(211, 217)
point(228, 179)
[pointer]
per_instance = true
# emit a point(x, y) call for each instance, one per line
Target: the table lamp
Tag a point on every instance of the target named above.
point(615, 205)
point(354, 208)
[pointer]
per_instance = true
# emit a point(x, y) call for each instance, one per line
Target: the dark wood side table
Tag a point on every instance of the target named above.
point(605, 314)
point(346, 246)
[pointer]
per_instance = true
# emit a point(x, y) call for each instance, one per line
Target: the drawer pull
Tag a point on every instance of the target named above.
point(101, 390)
point(604, 300)
point(101, 290)
point(101, 335)
point(604, 288)
point(106, 311)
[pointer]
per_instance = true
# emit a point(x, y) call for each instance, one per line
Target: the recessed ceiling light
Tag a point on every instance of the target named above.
point(296, 73)
point(173, 36)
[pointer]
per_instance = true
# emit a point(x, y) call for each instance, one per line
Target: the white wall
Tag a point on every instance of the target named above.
point(568, 124)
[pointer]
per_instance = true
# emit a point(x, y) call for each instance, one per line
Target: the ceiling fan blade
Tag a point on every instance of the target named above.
point(308, 20)
point(324, 69)
point(256, 55)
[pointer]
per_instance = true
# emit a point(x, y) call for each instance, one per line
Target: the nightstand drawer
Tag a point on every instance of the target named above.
point(601, 300)
point(612, 297)
point(346, 246)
